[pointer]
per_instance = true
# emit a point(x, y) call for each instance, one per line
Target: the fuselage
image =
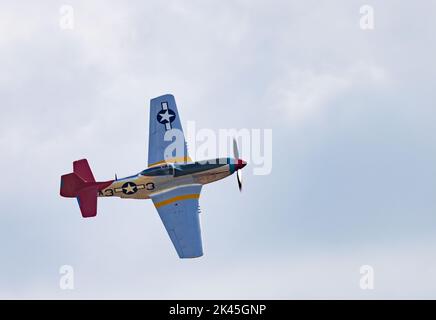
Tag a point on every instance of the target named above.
point(170, 175)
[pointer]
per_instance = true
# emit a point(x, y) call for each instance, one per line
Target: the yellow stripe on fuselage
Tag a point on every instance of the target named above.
point(177, 198)
point(171, 160)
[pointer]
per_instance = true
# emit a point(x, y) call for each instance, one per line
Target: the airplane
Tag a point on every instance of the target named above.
point(172, 180)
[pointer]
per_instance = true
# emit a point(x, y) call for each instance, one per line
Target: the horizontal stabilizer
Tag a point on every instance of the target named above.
point(82, 169)
point(87, 199)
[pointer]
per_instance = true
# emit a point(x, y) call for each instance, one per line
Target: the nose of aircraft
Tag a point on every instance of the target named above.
point(240, 164)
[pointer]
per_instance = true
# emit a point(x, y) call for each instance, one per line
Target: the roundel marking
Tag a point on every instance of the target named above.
point(166, 116)
point(129, 188)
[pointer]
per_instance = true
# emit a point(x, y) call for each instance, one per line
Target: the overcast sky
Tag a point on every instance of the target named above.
point(352, 113)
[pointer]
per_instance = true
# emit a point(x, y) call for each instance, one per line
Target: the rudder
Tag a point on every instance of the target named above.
point(71, 183)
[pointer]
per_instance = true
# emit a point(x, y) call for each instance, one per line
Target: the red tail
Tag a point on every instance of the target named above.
point(82, 169)
point(70, 184)
point(81, 185)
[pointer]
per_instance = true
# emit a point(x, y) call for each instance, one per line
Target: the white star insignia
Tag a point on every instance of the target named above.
point(129, 188)
point(165, 116)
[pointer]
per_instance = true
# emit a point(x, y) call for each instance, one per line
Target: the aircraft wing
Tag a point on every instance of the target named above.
point(164, 118)
point(179, 212)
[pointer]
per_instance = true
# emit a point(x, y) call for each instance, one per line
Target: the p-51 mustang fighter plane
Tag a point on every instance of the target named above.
point(172, 181)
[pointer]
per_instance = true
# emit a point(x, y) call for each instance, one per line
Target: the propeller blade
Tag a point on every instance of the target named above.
point(239, 166)
point(235, 149)
point(239, 177)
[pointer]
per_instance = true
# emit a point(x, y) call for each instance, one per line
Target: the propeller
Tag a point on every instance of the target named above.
point(239, 164)
point(239, 177)
point(235, 149)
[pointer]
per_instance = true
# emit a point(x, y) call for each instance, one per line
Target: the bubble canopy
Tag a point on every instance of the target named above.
point(180, 169)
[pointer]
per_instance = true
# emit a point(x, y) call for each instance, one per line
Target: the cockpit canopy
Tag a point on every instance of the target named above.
point(181, 169)
point(164, 170)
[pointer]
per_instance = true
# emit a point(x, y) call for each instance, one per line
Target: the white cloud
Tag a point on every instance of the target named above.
point(406, 273)
point(304, 94)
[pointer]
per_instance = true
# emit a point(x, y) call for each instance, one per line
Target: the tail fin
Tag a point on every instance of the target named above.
point(81, 185)
point(71, 183)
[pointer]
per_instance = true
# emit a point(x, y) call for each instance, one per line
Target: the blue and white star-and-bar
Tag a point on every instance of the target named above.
point(166, 116)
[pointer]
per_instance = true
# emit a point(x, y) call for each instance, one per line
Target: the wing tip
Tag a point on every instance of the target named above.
point(191, 256)
point(164, 96)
